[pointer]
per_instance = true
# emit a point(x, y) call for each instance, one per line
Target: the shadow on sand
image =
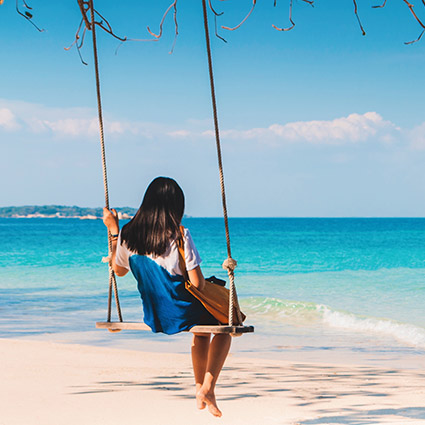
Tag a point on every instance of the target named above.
point(330, 394)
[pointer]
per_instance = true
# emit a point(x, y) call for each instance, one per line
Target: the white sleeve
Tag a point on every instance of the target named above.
point(191, 254)
point(122, 254)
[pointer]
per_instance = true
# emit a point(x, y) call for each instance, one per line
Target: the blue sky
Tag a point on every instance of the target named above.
point(317, 121)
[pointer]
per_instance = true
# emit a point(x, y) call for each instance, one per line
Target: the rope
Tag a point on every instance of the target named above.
point(112, 279)
point(229, 264)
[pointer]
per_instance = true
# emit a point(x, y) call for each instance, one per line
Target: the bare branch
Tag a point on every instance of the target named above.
point(103, 19)
point(216, 30)
point(80, 46)
point(133, 39)
point(162, 21)
point(176, 26)
point(358, 18)
point(414, 41)
point(78, 42)
point(290, 19)
point(410, 6)
point(215, 21)
point(254, 2)
point(27, 15)
point(381, 5)
point(161, 25)
point(107, 29)
point(77, 36)
point(213, 10)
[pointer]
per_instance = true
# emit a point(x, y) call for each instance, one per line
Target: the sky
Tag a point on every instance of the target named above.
point(319, 121)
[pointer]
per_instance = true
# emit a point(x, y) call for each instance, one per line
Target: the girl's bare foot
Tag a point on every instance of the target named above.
point(200, 403)
point(209, 400)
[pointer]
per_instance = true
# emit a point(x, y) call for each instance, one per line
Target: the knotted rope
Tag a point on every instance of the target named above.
point(91, 25)
point(229, 264)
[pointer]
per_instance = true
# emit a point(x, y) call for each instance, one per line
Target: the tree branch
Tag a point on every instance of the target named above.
point(380, 6)
point(410, 6)
point(414, 41)
point(254, 2)
point(27, 15)
point(216, 14)
point(176, 26)
point(104, 24)
point(162, 21)
point(358, 18)
point(290, 19)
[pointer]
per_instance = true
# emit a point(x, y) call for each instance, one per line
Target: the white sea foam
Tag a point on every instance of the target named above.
point(307, 313)
point(283, 310)
point(403, 332)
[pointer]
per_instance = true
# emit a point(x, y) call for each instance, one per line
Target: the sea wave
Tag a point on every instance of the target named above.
point(308, 313)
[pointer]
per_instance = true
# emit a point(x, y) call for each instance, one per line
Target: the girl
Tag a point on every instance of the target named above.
point(148, 246)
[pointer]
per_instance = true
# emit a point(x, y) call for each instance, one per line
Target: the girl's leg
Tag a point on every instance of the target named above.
point(200, 348)
point(217, 353)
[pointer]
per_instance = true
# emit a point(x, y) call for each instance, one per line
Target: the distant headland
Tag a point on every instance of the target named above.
point(61, 211)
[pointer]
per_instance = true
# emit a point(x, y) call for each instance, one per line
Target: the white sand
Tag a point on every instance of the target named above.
point(44, 383)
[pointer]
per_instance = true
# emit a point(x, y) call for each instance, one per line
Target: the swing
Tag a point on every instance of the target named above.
point(229, 264)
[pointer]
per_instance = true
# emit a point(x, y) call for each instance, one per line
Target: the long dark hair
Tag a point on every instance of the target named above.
point(157, 221)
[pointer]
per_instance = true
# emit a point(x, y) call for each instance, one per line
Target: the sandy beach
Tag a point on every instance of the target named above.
point(48, 383)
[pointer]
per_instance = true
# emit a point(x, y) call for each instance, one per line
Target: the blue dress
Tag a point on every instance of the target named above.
point(168, 307)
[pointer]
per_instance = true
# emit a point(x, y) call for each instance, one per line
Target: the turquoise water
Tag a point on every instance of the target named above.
point(346, 287)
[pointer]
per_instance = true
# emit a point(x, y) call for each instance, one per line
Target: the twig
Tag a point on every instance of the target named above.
point(27, 15)
point(358, 18)
point(161, 25)
point(77, 36)
point(380, 6)
point(176, 25)
point(162, 21)
point(254, 2)
point(410, 6)
point(290, 19)
point(216, 14)
point(133, 39)
point(109, 28)
point(85, 6)
point(414, 41)
point(214, 11)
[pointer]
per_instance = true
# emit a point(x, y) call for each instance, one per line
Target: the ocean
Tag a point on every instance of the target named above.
point(348, 290)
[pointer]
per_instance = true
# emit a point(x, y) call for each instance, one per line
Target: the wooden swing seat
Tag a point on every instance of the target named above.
point(140, 326)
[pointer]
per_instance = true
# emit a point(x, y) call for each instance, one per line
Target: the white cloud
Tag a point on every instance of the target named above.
point(353, 128)
point(417, 137)
point(70, 122)
point(8, 120)
point(179, 133)
point(75, 127)
point(82, 122)
point(70, 126)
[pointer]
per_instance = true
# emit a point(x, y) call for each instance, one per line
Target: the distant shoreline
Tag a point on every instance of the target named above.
point(81, 217)
point(61, 211)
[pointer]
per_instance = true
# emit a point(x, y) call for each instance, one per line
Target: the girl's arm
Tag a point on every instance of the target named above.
point(110, 219)
point(197, 278)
